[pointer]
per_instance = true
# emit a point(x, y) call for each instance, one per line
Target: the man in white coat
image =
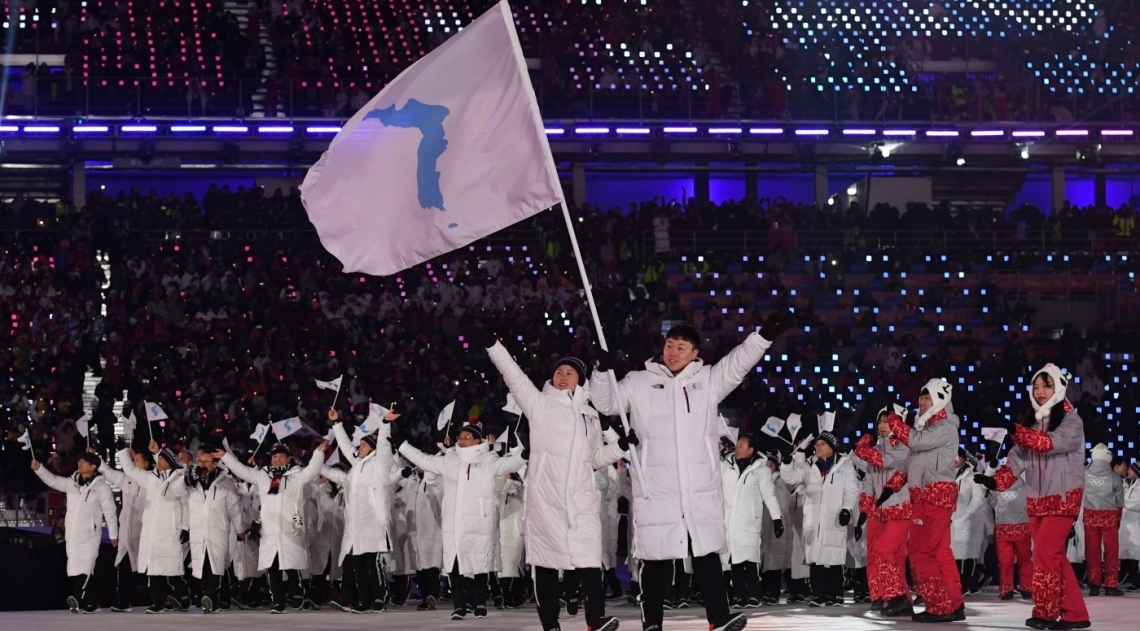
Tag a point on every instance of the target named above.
point(215, 510)
point(678, 508)
point(748, 492)
point(89, 504)
point(777, 551)
point(130, 530)
point(470, 513)
point(282, 531)
point(423, 495)
point(563, 515)
point(831, 489)
point(966, 537)
point(367, 513)
point(160, 544)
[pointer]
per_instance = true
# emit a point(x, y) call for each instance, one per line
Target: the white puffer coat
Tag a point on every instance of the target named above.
point(966, 534)
point(330, 528)
point(675, 417)
point(511, 528)
point(244, 552)
point(777, 553)
point(88, 507)
point(608, 492)
point(367, 495)
point(1129, 522)
point(563, 514)
point(423, 507)
point(470, 509)
point(825, 540)
point(747, 495)
point(213, 514)
point(130, 516)
point(282, 513)
point(160, 544)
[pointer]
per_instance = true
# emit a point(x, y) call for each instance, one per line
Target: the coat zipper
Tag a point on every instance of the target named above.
point(687, 408)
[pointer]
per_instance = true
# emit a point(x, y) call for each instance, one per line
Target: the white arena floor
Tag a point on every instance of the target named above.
point(984, 611)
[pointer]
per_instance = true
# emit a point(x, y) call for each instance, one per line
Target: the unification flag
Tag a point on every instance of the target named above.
point(333, 385)
point(445, 415)
point(376, 416)
point(453, 149)
point(287, 427)
point(794, 425)
point(129, 425)
point(773, 426)
point(512, 406)
point(153, 412)
point(26, 440)
point(259, 433)
point(994, 434)
point(83, 425)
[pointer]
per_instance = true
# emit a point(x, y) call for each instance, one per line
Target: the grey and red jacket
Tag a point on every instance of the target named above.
point(1052, 463)
point(1104, 496)
point(931, 474)
point(886, 461)
point(1011, 519)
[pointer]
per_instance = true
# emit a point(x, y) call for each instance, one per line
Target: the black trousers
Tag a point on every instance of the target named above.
point(827, 582)
point(967, 571)
point(427, 581)
point(358, 584)
point(613, 583)
point(81, 589)
point(163, 586)
point(746, 581)
point(468, 592)
point(798, 586)
point(124, 584)
point(770, 583)
point(547, 590)
point(282, 587)
point(211, 582)
point(658, 578)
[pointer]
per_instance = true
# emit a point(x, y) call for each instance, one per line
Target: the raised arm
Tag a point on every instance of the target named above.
point(934, 436)
point(114, 476)
point(335, 475)
point(134, 474)
point(256, 477)
point(609, 398)
point(422, 460)
point(312, 471)
point(734, 367)
point(794, 472)
point(511, 463)
point(59, 483)
point(345, 444)
point(529, 398)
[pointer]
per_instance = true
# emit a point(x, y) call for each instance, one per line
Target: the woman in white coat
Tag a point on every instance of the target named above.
point(214, 510)
point(511, 541)
point(966, 537)
point(423, 498)
point(832, 497)
point(282, 491)
point(160, 544)
point(89, 504)
point(777, 552)
point(367, 513)
point(470, 513)
point(748, 492)
point(563, 512)
point(130, 530)
point(245, 548)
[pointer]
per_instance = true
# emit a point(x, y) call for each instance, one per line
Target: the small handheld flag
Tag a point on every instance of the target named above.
point(772, 428)
point(794, 425)
point(512, 406)
point(444, 418)
point(83, 425)
point(288, 427)
point(26, 440)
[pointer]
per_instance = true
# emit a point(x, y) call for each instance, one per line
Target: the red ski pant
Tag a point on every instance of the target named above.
point(1104, 573)
point(1056, 593)
point(936, 576)
point(886, 559)
point(1009, 552)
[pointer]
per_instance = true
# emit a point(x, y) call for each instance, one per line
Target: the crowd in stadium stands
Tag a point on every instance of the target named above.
point(228, 332)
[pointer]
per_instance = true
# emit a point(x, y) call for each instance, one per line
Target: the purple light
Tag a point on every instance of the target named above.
point(8, 129)
point(988, 133)
point(859, 132)
point(680, 130)
point(555, 131)
point(725, 130)
point(1029, 133)
point(230, 129)
point(583, 131)
point(323, 130)
point(90, 129)
point(1116, 132)
point(1072, 132)
point(813, 132)
point(41, 129)
point(942, 133)
point(146, 129)
point(181, 129)
point(899, 132)
point(639, 131)
point(275, 129)
point(766, 131)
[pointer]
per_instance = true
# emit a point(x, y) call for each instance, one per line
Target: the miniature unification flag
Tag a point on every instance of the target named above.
point(333, 385)
point(794, 425)
point(83, 425)
point(287, 427)
point(512, 406)
point(772, 426)
point(452, 150)
point(26, 440)
point(259, 433)
point(153, 412)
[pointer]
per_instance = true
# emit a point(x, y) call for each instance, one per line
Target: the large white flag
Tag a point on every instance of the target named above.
point(450, 151)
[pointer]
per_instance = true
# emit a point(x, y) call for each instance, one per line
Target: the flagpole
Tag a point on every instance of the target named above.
point(634, 460)
point(337, 391)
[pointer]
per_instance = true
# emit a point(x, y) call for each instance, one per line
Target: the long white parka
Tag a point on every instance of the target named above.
point(966, 535)
point(214, 513)
point(747, 493)
point(1130, 522)
point(563, 514)
point(160, 544)
point(423, 499)
point(825, 540)
point(245, 551)
point(130, 516)
point(511, 524)
point(367, 495)
point(675, 417)
point(470, 509)
point(88, 507)
point(282, 513)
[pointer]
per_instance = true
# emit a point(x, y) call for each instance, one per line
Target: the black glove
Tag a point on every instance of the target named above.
point(776, 324)
point(605, 361)
point(986, 481)
point(862, 520)
point(778, 527)
point(407, 472)
point(1073, 532)
point(479, 337)
point(184, 536)
point(788, 458)
point(844, 515)
point(603, 422)
point(858, 533)
point(883, 497)
point(525, 455)
point(512, 438)
point(993, 464)
point(632, 438)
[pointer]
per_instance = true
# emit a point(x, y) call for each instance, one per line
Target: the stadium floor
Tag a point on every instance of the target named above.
point(984, 611)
